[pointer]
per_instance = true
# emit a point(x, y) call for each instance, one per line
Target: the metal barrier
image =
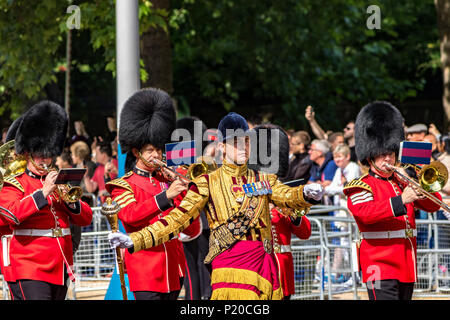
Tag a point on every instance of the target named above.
point(94, 260)
point(330, 244)
point(94, 263)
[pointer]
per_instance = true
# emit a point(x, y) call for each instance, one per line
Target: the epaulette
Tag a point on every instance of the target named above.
point(358, 183)
point(14, 182)
point(121, 182)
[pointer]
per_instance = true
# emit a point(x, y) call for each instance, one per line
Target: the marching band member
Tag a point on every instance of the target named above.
point(5, 228)
point(383, 206)
point(41, 247)
point(144, 195)
point(236, 200)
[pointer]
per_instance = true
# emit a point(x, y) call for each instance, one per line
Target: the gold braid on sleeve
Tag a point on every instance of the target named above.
point(176, 221)
point(288, 197)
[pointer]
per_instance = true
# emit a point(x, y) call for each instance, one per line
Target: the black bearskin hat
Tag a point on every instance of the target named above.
point(42, 130)
point(378, 130)
point(188, 123)
point(147, 117)
point(281, 150)
point(11, 134)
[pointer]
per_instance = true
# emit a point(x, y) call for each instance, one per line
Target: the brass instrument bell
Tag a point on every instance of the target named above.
point(433, 177)
point(205, 166)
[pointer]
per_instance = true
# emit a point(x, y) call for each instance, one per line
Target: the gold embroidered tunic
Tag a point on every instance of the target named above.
point(231, 215)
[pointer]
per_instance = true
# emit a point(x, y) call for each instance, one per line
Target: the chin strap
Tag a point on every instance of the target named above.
point(43, 169)
point(147, 163)
point(379, 169)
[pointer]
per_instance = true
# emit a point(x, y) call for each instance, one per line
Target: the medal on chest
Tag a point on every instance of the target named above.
point(250, 190)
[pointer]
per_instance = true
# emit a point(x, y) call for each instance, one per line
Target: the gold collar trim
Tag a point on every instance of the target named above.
point(234, 170)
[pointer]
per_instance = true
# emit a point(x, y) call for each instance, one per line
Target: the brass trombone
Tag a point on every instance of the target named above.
point(431, 178)
point(195, 170)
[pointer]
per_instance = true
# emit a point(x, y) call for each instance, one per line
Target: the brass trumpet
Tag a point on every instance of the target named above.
point(431, 178)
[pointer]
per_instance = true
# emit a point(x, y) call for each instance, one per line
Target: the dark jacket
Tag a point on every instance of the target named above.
point(299, 168)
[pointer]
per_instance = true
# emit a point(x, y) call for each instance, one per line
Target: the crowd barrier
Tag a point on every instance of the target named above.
point(323, 267)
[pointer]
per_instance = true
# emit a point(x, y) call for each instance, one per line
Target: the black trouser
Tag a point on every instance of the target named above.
point(197, 282)
point(390, 290)
point(153, 295)
point(36, 290)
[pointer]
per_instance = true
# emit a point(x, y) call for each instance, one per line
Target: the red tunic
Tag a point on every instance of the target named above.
point(159, 268)
point(376, 205)
point(282, 229)
point(39, 257)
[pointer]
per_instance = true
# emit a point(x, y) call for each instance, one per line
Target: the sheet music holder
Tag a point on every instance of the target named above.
point(70, 175)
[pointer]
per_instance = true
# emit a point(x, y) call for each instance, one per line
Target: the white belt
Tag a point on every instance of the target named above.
point(403, 233)
point(52, 233)
point(282, 248)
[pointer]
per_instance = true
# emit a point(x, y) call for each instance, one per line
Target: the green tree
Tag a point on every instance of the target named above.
point(276, 58)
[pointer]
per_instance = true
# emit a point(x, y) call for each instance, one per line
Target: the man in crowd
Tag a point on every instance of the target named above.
point(323, 168)
point(335, 139)
point(431, 138)
point(299, 163)
point(349, 136)
point(416, 132)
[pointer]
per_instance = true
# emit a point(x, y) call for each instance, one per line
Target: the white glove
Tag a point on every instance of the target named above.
point(119, 239)
point(314, 191)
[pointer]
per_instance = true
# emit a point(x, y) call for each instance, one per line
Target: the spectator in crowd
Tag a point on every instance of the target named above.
point(106, 170)
point(346, 172)
point(416, 132)
point(431, 138)
point(441, 144)
point(323, 167)
point(443, 233)
point(289, 133)
point(81, 158)
point(80, 133)
point(112, 128)
point(349, 136)
point(445, 159)
point(433, 130)
point(64, 160)
point(310, 115)
point(4, 132)
point(299, 162)
point(335, 139)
